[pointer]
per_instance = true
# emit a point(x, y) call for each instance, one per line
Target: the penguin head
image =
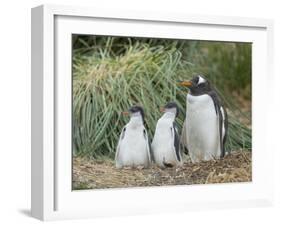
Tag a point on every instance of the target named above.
point(197, 85)
point(171, 107)
point(137, 111)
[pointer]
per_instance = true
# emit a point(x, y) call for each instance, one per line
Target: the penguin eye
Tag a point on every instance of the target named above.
point(196, 80)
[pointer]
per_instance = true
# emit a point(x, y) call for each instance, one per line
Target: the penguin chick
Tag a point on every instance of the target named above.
point(133, 149)
point(165, 144)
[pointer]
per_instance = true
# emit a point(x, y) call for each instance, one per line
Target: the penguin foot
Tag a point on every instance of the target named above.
point(140, 167)
point(168, 165)
point(127, 167)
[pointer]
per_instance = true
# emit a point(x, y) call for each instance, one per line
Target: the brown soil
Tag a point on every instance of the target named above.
point(93, 174)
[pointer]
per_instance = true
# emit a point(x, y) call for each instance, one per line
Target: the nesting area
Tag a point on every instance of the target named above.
point(96, 174)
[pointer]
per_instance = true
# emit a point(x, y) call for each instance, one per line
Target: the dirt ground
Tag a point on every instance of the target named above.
point(93, 174)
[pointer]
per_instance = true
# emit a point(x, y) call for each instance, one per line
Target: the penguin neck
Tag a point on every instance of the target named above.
point(169, 115)
point(199, 91)
point(136, 120)
point(196, 92)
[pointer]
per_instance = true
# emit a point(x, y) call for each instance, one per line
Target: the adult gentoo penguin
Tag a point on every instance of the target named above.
point(133, 148)
point(165, 144)
point(206, 123)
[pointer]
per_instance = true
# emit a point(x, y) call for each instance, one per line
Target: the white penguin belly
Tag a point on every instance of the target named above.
point(133, 149)
point(163, 143)
point(202, 128)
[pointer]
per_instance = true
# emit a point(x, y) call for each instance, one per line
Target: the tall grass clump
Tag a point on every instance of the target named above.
point(112, 74)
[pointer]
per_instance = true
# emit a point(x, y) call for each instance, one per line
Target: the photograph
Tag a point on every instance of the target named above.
point(160, 112)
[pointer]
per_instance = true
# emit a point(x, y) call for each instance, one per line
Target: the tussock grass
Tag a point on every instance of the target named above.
point(112, 74)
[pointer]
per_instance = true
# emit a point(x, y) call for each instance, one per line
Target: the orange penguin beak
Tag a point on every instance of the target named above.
point(126, 113)
point(186, 83)
point(162, 109)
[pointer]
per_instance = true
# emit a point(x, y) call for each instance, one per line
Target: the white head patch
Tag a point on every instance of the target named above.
point(201, 80)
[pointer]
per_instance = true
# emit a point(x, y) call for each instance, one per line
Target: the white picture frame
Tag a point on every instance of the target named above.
point(52, 197)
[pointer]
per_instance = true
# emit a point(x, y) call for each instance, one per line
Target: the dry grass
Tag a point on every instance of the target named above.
point(92, 174)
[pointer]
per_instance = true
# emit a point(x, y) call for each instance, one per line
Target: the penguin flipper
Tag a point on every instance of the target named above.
point(222, 118)
point(224, 129)
point(122, 135)
point(175, 138)
point(183, 138)
point(147, 145)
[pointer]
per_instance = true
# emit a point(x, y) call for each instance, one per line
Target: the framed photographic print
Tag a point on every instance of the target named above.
point(136, 113)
